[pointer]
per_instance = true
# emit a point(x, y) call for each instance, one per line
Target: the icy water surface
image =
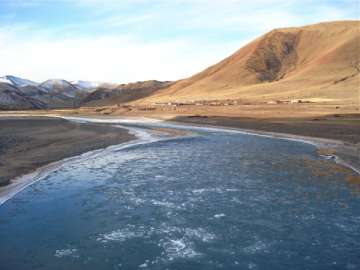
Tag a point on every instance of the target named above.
point(211, 201)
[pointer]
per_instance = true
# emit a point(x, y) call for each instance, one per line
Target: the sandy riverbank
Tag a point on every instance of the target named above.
point(342, 143)
point(336, 133)
point(70, 138)
point(32, 142)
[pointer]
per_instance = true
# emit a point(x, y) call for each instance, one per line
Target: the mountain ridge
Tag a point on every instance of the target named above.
point(285, 63)
point(17, 93)
point(17, 81)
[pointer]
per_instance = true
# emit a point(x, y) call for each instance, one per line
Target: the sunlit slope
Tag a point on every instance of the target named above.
point(318, 62)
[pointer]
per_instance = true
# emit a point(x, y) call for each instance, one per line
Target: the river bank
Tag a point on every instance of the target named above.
point(34, 145)
point(56, 140)
point(335, 130)
point(338, 141)
point(32, 142)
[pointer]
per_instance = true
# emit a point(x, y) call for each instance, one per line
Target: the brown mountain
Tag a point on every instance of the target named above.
point(319, 62)
point(123, 93)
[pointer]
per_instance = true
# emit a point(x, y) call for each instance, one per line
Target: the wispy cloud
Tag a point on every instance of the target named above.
point(106, 58)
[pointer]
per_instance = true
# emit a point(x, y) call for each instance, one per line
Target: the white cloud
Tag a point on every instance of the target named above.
point(106, 58)
point(132, 40)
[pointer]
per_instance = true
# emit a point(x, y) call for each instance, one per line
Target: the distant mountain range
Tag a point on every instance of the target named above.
point(16, 81)
point(18, 93)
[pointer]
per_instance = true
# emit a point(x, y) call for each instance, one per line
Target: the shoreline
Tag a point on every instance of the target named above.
point(29, 146)
point(319, 143)
point(339, 147)
point(27, 143)
point(21, 182)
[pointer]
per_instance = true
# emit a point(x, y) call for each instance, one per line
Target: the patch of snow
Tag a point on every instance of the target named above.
point(86, 84)
point(16, 81)
point(49, 84)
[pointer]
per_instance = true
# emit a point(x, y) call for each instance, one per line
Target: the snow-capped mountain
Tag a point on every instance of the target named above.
point(16, 81)
point(86, 85)
point(55, 93)
point(17, 93)
point(60, 86)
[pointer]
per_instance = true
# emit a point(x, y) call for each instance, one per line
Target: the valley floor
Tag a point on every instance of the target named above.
point(333, 127)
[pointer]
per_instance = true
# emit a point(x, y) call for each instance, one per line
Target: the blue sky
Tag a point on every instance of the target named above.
point(130, 40)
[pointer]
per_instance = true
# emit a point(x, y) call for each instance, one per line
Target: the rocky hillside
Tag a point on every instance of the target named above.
point(19, 93)
point(315, 62)
point(12, 98)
